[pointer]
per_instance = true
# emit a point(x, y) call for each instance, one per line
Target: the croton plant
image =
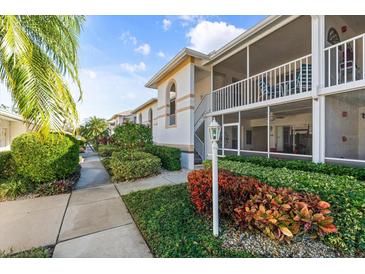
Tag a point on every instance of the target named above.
point(280, 213)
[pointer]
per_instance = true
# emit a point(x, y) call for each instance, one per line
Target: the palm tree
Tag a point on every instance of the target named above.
point(95, 129)
point(37, 53)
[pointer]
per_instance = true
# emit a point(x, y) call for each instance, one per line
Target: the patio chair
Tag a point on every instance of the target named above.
point(265, 88)
point(304, 75)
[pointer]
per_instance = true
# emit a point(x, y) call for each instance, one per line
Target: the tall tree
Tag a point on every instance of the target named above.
point(94, 129)
point(38, 57)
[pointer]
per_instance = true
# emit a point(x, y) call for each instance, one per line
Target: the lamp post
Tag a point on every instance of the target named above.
point(214, 133)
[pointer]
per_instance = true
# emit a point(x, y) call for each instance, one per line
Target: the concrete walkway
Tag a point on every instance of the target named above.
point(92, 221)
point(96, 222)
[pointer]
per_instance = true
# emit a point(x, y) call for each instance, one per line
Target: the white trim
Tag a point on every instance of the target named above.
point(11, 116)
point(174, 62)
point(231, 149)
point(345, 87)
point(231, 124)
point(344, 160)
point(291, 154)
point(253, 151)
point(272, 102)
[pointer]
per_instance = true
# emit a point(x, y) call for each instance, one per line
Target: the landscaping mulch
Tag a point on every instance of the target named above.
point(260, 245)
point(69, 183)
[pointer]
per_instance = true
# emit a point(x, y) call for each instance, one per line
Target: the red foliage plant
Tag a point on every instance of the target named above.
point(280, 213)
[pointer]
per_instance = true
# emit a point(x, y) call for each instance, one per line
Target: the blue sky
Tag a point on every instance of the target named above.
point(118, 54)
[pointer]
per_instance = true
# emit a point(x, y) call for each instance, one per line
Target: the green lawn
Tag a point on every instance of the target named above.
point(39, 252)
point(171, 227)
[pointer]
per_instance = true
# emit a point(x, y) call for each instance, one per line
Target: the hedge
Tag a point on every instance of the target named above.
point(131, 165)
point(131, 136)
point(330, 169)
point(170, 157)
point(107, 150)
point(41, 159)
point(345, 194)
point(7, 165)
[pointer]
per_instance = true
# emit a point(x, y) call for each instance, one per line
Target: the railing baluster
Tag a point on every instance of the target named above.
point(307, 80)
point(290, 78)
point(270, 84)
point(279, 81)
point(266, 83)
point(337, 65)
point(354, 61)
point(254, 82)
point(295, 77)
point(363, 57)
point(329, 67)
point(274, 83)
point(345, 66)
point(301, 75)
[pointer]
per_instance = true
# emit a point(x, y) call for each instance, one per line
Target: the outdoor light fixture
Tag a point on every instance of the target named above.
point(214, 133)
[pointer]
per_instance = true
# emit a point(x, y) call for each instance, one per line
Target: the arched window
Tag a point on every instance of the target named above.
point(150, 117)
point(171, 110)
point(140, 118)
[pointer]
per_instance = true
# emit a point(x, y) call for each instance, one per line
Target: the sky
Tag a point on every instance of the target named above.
point(119, 54)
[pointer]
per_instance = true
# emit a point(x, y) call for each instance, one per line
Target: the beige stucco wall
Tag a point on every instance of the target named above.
point(351, 127)
point(145, 113)
point(182, 134)
point(202, 86)
point(13, 129)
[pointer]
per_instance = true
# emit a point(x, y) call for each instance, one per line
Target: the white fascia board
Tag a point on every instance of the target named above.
point(173, 62)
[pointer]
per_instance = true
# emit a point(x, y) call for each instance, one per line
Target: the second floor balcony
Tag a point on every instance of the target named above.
point(279, 67)
point(290, 79)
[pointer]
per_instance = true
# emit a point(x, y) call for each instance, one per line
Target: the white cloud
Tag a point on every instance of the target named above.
point(134, 67)
point(187, 20)
point(207, 36)
point(161, 54)
point(166, 24)
point(144, 49)
point(127, 37)
point(89, 73)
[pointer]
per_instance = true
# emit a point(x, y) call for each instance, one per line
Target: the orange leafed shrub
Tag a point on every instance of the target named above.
point(280, 213)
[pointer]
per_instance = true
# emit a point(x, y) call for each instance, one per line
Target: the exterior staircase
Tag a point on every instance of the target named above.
point(199, 129)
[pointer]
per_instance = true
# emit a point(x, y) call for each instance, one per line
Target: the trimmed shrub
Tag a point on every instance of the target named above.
point(107, 150)
point(280, 213)
point(131, 136)
point(131, 165)
point(42, 159)
point(13, 188)
point(7, 165)
point(330, 169)
point(345, 194)
point(170, 157)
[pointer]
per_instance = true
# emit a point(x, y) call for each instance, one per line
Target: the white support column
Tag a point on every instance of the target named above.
point(248, 71)
point(239, 134)
point(318, 105)
point(268, 132)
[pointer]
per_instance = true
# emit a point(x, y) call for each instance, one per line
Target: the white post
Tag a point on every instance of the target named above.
point(268, 132)
point(318, 110)
point(215, 188)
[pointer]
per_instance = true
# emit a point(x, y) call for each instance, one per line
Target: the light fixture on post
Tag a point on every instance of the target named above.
point(214, 134)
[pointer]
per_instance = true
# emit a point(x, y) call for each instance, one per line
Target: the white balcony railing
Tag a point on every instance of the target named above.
point(345, 61)
point(288, 79)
